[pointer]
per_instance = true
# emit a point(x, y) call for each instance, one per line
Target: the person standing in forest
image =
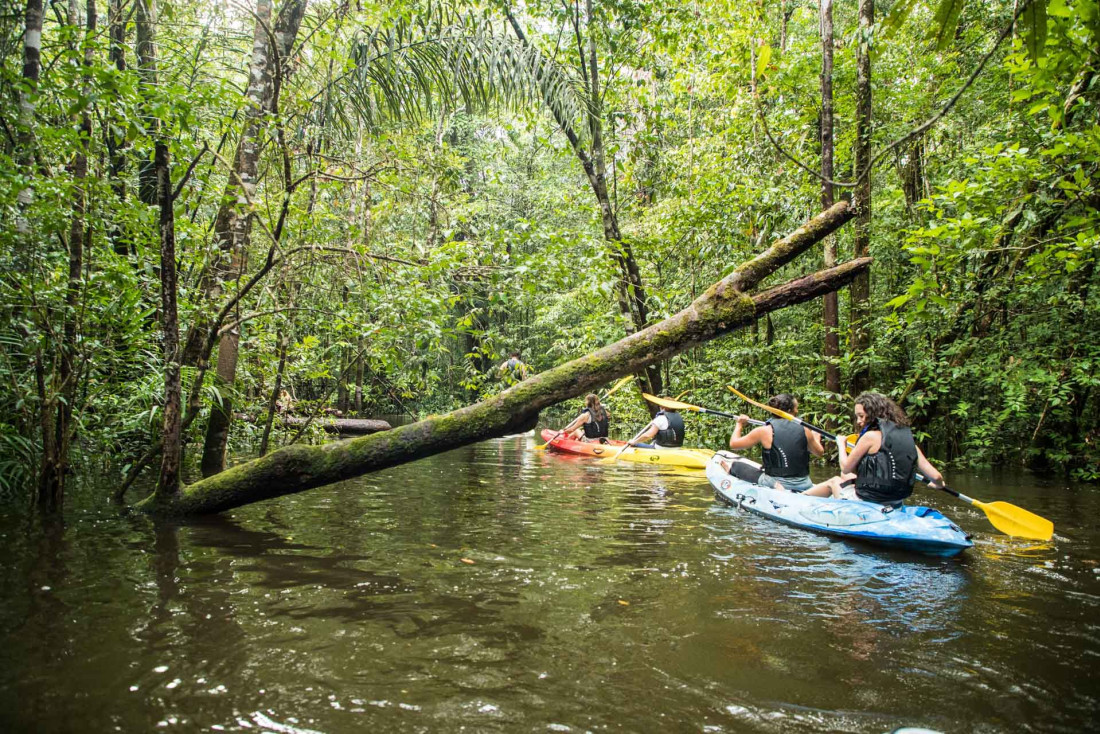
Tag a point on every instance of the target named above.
point(883, 466)
point(514, 369)
point(592, 424)
point(786, 447)
point(666, 430)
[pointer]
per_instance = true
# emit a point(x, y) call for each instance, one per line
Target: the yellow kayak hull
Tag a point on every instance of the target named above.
point(692, 458)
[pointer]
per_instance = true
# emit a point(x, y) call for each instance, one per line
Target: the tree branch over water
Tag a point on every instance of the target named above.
point(725, 306)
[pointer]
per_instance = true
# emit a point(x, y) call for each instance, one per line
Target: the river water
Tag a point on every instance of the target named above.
point(495, 588)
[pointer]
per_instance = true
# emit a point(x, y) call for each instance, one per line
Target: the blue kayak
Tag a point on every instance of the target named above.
point(918, 529)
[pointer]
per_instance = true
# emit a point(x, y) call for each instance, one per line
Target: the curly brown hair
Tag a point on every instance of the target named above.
point(879, 407)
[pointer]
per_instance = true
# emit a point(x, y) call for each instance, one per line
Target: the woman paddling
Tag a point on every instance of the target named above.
point(884, 463)
point(786, 449)
point(592, 424)
point(666, 430)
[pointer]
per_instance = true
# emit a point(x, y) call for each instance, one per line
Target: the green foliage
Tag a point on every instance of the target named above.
point(438, 219)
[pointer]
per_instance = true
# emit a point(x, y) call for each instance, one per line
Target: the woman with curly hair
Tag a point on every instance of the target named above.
point(883, 465)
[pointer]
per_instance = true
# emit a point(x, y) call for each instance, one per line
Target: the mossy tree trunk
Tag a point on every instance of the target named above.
point(831, 305)
point(725, 306)
point(859, 339)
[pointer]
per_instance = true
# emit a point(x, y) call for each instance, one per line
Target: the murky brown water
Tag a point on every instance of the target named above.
point(598, 598)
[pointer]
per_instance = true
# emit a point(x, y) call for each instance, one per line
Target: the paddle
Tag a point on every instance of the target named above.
point(1006, 517)
point(677, 405)
point(628, 445)
point(608, 394)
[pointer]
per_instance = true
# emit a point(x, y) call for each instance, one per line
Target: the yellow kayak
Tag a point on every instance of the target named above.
point(693, 458)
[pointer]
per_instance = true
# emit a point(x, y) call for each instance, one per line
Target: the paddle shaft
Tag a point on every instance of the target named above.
point(629, 445)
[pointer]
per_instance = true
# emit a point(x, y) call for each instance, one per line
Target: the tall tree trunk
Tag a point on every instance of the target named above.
point(55, 464)
point(272, 405)
point(785, 12)
point(831, 309)
point(636, 311)
point(116, 144)
point(860, 334)
point(357, 402)
point(233, 224)
point(168, 484)
point(342, 383)
point(632, 295)
point(32, 69)
point(725, 306)
point(145, 18)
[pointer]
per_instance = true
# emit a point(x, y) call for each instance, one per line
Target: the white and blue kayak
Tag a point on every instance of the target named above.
point(918, 529)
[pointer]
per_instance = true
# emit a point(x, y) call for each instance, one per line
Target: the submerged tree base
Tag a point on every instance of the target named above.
point(724, 307)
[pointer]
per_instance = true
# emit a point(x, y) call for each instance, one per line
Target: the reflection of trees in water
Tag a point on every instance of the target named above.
point(39, 641)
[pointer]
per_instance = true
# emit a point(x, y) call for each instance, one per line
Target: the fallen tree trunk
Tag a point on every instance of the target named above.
point(724, 306)
point(345, 426)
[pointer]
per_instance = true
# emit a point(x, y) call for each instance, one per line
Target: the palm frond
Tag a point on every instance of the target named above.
point(405, 70)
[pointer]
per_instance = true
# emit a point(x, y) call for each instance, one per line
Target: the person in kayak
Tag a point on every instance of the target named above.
point(666, 430)
point(592, 424)
point(786, 449)
point(884, 463)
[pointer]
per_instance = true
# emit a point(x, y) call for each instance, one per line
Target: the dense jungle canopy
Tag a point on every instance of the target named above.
point(218, 213)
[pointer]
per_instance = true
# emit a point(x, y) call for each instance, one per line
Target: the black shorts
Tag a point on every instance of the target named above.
point(746, 471)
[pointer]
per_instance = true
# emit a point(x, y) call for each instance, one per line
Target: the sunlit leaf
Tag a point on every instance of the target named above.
point(1033, 24)
point(946, 20)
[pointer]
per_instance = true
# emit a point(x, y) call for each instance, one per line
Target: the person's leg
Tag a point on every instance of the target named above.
point(825, 489)
point(768, 481)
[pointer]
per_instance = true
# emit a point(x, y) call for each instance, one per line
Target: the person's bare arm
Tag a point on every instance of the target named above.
point(737, 441)
point(930, 472)
point(814, 442)
point(579, 421)
point(849, 462)
point(646, 436)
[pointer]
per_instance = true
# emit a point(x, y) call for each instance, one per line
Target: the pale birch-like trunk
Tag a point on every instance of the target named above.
point(233, 224)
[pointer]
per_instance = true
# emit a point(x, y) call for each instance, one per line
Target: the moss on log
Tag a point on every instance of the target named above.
point(724, 306)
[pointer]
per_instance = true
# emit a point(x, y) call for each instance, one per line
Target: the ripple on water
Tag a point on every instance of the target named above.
point(503, 589)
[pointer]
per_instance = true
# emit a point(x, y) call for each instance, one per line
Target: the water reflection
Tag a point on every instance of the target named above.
point(501, 589)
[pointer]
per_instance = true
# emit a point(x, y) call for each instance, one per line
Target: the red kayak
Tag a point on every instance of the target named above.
point(584, 448)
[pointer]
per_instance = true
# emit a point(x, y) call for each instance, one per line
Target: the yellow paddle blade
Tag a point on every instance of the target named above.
point(852, 439)
point(618, 384)
point(542, 447)
point(770, 409)
point(671, 404)
point(1016, 521)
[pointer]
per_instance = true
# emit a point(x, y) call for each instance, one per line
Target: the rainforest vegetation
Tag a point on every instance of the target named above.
point(220, 214)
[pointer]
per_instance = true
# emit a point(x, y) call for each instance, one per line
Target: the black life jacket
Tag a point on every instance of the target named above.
point(789, 455)
point(673, 436)
point(594, 428)
point(887, 476)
